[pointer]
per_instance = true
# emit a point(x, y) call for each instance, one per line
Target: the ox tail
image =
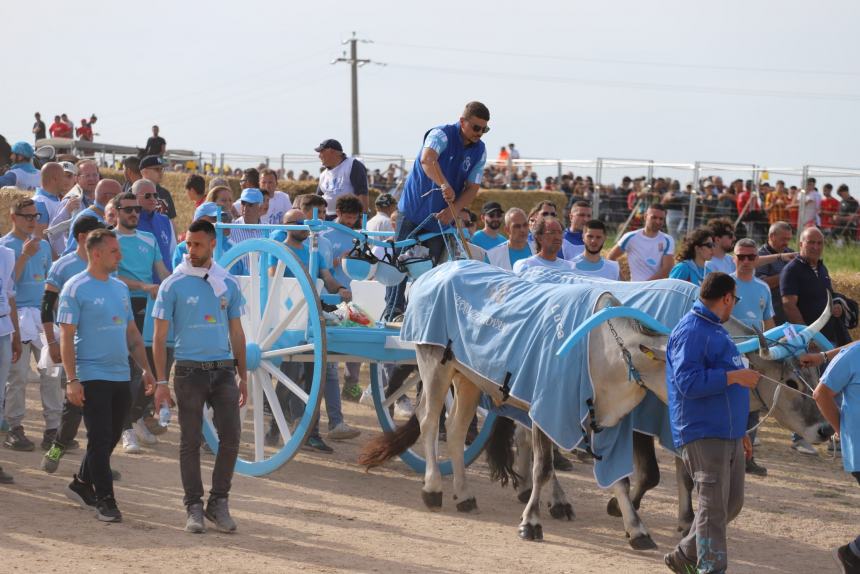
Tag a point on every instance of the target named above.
point(390, 444)
point(500, 452)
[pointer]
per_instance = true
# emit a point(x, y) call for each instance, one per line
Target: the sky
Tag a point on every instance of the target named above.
point(754, 82)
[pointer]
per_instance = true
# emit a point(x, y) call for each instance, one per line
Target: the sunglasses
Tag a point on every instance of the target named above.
point(747, 257)
point(130, 209)
point(28, 216)
point(547, 214)
point(478, 129)
point(737, 299)
point(708, 245)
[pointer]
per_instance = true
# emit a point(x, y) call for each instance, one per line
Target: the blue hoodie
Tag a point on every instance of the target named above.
point(701, 405)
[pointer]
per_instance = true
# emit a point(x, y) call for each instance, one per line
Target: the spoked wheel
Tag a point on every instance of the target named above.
point(282, 324)
point(413, 457)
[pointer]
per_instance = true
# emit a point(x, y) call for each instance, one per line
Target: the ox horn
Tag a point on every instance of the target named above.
point(778, 352)
point(763, 349)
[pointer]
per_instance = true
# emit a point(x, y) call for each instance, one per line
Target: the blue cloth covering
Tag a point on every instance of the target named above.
point(500, 323)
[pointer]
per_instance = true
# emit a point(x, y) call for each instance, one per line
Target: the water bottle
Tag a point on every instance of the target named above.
point(164, 415)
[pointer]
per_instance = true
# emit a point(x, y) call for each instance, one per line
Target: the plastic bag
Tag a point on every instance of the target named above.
point(348, 315)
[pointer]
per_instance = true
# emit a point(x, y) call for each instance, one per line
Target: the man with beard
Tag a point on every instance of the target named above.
point(590, 262)
point(489, 236)
point(547, 233)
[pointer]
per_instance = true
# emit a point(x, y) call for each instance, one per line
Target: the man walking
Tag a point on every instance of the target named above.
point(204, 305)
point(97, 333)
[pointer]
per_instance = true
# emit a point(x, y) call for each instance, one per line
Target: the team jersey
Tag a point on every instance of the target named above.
point(755, 305)
point(485, 242)
point(725, 264)
point(139, 254)
point(538, 261)
point(64, 269)
point(645, 254)
point(604, 268)
point(30, 286)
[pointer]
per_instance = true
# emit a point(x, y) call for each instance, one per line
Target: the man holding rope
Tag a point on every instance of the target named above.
point(444, 179)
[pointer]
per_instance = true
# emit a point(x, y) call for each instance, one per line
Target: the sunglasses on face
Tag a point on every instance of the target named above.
point(708, 245)
point(747, 257)
point(28, 216)
point(737, 299)
point(547, 214)
point(478, 129)
point(130, 209)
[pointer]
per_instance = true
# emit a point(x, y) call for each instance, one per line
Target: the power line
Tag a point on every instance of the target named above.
point(355, 63)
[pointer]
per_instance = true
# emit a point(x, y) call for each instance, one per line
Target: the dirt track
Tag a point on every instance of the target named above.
point(322, 513)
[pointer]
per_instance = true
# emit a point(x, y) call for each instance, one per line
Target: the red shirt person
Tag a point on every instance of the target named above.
point(60, 129)
point(85, 131)
point(829, 207)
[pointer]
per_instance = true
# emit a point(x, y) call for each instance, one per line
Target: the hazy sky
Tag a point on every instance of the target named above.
point(776, 83)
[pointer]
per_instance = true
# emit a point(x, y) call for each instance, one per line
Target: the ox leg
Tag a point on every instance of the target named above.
point(466, 400)
point(559, 507)
point(685, 497)
point(523, 462)
point(530, 527)
point(633, 525)
point(646, 473)
point(437, 379)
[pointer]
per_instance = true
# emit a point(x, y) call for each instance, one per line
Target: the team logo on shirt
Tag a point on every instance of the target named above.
point(467, 163)
point(142, 249)
point(210, 318)
point(99, 301)
point(117, 320)
point(38, 277)
point(223, 303)
point(192, 300)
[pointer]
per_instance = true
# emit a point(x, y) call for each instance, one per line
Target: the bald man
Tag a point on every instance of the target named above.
point(48, 196)
point(154, 222)
point(105, 190)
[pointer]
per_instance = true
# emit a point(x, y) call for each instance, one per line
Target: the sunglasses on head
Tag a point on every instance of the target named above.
point(747, 257)
point(130, 209)
point(28, 216)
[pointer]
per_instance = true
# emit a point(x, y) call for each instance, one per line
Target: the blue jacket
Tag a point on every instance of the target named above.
point(701, 405)
point(159, 225)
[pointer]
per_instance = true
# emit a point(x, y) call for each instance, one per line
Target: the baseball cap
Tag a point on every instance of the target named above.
point(25, 149)
point(208, 209)
point(153, 161)
point(329, 144)
point(69, 167)
point(491, 206)
point(384, 200)
point(251, 195)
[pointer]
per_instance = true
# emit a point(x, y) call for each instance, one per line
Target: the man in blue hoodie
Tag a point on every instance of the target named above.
point(708, 389)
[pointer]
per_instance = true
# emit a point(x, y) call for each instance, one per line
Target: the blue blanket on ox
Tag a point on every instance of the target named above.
point(501, 325)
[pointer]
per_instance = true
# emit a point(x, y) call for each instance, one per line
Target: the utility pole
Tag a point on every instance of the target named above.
point(354, 63)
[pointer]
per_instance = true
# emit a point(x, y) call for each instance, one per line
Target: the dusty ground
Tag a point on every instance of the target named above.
point(322, 513)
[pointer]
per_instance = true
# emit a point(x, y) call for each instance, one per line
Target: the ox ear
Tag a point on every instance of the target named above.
point(654, 353)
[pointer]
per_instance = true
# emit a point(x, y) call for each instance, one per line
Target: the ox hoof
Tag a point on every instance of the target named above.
point(562, 510)
point(612, 508)
point(643, 542)
point(468, 505)
point(533, 532)
point(432, 500)
point(524, 495)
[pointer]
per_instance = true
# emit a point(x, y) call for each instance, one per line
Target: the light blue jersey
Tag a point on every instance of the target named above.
point(92, 211)
point(755, 305)
point(843, 376)
point(726, 264)
point(486, 242)
point(64, 269)
point(139, 254)
point(324, 249)
point(604, 268)
point(341, 244)
point(30, 286)
point(101, 311)
point(200, 319)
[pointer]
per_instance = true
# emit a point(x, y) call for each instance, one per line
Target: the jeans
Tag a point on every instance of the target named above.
point(140, 401)
point(16, 387)
point(194, 388)
point(138, 310)
point(5, 366)
point(302, 374)
point(105, 406)
point(752, 420)
point(718, 470)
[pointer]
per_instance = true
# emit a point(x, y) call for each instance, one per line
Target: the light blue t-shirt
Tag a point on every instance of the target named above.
point(64, 269)
point(687, 270)
point(517, 254)
point(538, 261)
point(30, 286)
point(101, 311)
point(755, 305)
point(485, 242)
point(149, 326)
point(139, 254)
point(201, 330)
point(324, 250)
point(72, 242)
point(726, 264)
point(604, 269)
point(843, 376)
point(341, 244)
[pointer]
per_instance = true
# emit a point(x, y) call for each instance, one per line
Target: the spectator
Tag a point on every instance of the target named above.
point(195, 189)
point(155, 145)
point(39, 128)
point(502, 159)
point(514, 153)
point(251, 203)
point(590, 263)
point(385, 206)
point(279, 201)
point(829, 208)
point(70, 125)
point(106, 190)
point(724, 237)
point(677, 202)
point(749, 204)
point(846, 219)
point(152, 168)
point(696, 250)
point(27, 177)
point(131, 171)
point(223, 197)
point(489, 236)
point(60, 129)
point(778, 237)
point(776, 203)
point(517, 246)
point(154, 222)
point(649, 250)
point(81, 196)
point(548, 234)
point(85, 131)
point(55, 182)
point(573, 243)
point(343, 175)
point(549, 184)
point(811, 204)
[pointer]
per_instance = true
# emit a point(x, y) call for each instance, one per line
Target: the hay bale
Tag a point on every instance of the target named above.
point(848, 283)
point(8, 196)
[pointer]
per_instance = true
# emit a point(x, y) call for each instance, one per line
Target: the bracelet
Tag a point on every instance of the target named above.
point(161, 383)
point(53, 343)
point(73, 380)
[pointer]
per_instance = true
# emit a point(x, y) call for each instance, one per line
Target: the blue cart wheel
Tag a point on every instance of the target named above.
point(283, 325)
point(413, 457)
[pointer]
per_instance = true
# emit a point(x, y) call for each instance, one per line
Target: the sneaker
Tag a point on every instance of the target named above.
point(143, 434)
point(218, 512)
point(81, 494)
point(342, 432)
point(153, 425)
point(5, 478)
point(754, 468)
point(848, 562)
point(16, 440)
point(194, 519)
point(678, 563)
point(129, 442)
point(560, 462)
point(803, 447)
point(48, 438)
point(366, 397)
point(107, 511)
point(317, 443)
point(352, 392)
point(51, 460)
point(403, 407)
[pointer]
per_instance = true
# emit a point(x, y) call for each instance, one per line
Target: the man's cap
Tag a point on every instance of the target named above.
point(153, 161)
point(491, 206)
point(69, 167)
point(251, 195)
point(384, 200)
point(23, 148)
point(208, 209)
point(329, 144)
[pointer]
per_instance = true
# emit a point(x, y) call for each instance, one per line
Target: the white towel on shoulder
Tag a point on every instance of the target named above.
point(215, 275)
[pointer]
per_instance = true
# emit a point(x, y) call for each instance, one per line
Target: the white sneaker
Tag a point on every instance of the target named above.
point(143, 433)
point(129, 442)
point(803, 447)
point(343, 432)
point(366, 397)
point(403, 407)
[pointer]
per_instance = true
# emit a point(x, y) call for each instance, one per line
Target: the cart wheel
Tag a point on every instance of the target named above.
point(282, 323)
point(412, 457)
